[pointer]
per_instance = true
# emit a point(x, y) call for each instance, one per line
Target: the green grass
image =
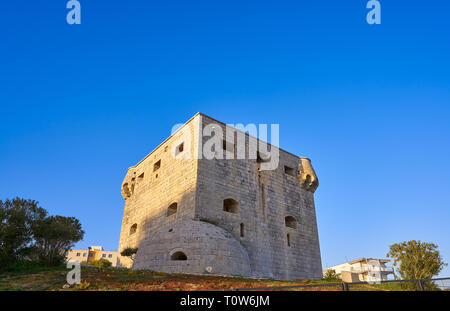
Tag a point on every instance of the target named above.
point(34, 277)
point(28, 267)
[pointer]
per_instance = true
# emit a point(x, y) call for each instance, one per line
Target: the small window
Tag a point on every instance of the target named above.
point(156, 166)
point(228, 147)
point(242, 230)
point(104, 255)
point(141, 177)
point(110, 255)
point(231, 206)
point(133, 229)
point(133, 184)
point(78, 254)
point(224, 144)
point(289, 170)
point(172, 209)
point(84, 254)
point(288, 240)
point(91, 255)
point(179, 149)
point(178, 256)
point(290, 222)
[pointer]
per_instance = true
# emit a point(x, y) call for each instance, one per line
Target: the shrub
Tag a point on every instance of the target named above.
point(129, 252)
point(330, 275)
point(102, 263)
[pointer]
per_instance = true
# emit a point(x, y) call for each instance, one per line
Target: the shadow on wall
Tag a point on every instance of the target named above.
point(174, 241)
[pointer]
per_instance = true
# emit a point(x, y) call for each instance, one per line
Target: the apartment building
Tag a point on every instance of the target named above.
point(94, 253)
point(363, 270)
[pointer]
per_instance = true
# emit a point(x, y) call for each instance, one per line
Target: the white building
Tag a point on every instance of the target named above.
point(363, 270)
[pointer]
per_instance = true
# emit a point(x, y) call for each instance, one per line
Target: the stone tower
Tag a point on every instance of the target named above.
point(188, 213)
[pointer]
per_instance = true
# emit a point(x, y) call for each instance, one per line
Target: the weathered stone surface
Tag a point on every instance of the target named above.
point(250, 236)
point(208, 248)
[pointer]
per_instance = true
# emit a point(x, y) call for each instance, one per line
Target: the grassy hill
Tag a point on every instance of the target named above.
point(110, 279)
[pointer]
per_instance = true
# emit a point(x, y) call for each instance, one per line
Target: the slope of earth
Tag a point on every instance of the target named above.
point(110, 279)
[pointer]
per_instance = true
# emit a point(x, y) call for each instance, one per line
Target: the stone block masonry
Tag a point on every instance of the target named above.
point(189, 214)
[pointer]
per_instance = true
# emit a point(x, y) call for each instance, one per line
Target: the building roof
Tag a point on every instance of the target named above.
point(368, 259)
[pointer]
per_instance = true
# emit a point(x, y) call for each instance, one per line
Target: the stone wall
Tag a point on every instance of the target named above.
point(265, 199)
point(255, 225)
point(150, 190)
point(208, 249)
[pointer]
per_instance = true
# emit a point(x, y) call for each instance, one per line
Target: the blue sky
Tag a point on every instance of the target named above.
point(369, 104)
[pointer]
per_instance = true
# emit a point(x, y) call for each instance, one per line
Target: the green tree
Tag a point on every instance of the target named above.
point(330, 275)
point(54, 236)
point(416, 259)
point(102, 263)
point(129, 252)
point(17, 217)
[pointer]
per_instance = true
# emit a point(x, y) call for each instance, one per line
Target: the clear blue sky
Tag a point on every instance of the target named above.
point(369, 104)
